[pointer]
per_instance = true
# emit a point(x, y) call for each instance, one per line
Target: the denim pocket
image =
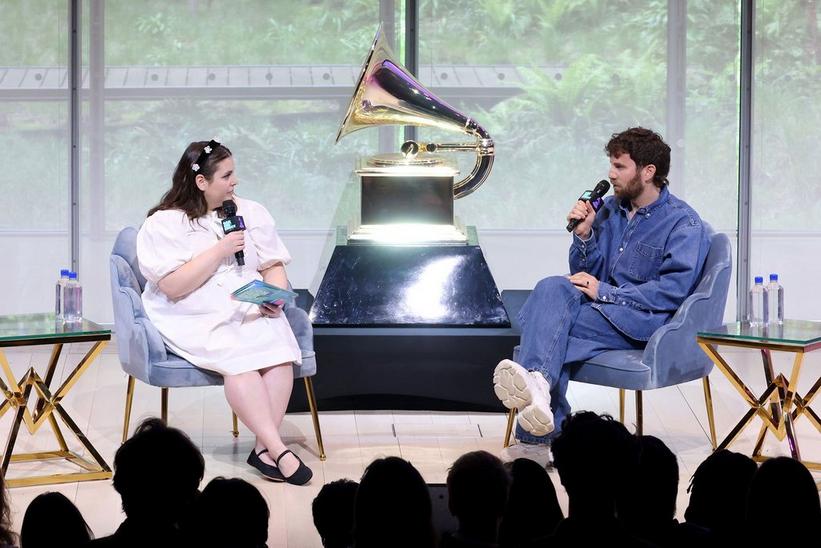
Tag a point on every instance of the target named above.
point(645, 262)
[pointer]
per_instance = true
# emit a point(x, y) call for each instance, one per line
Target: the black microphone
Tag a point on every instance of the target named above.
point(594, 197)
point(231, 223)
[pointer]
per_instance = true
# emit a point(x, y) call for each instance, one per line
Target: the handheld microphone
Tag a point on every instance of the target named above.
point(594, 197)
point(231, 223)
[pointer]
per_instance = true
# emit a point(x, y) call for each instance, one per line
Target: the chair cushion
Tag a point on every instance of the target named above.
point(617, 368)
point(175, 372)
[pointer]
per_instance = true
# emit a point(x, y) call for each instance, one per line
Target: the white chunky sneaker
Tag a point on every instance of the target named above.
point(527, 391)
point(537, 453)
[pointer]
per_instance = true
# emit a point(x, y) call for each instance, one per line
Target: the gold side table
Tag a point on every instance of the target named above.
point(41, 329)
point(780, 405)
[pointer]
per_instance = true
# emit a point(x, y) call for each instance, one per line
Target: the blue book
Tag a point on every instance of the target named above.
point(259, 292)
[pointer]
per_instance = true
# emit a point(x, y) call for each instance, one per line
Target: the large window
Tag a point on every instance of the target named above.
point(786, 190)
point(271, 80)
point(34, 225)
point(550, 81)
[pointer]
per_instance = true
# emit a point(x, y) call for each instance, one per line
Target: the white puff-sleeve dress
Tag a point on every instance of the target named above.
point(207, 327)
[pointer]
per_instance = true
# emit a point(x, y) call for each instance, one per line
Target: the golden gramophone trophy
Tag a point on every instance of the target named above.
point(404, 260)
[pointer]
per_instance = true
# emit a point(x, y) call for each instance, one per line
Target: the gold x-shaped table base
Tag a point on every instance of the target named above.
point(48, 408)
point(778, 407)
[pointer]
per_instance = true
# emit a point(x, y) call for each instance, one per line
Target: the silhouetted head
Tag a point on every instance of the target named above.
point(393, 507)
point(477, 488)
point(333, 510)
point(596, 458)
point(53, 520)
point(651, 502)
point(157, 473)
point(783, 492)
point(718, 491)
point(230, 513)
point(533, 509)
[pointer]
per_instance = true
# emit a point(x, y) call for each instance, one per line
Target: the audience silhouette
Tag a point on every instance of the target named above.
point(393, 507)
point(783, 505)
point(333, 511)
point(718, 494)
point(621, 489)
point(230, 513)
point(53, 520)
point(477, 496)
point(597, 459)
point(649, 512)
point(533, 510)
point(157, 473)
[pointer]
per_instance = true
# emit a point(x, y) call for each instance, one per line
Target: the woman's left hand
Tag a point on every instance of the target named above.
point(271, 310)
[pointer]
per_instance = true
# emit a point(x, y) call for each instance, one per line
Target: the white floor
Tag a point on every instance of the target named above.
point(431, 441)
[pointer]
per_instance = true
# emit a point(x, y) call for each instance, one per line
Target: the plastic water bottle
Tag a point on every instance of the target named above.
point(72, 299)
point(58, 295)
point(758, 303)
point(775, 301)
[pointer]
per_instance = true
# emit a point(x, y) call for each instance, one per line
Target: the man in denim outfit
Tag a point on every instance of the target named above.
point(632, 264)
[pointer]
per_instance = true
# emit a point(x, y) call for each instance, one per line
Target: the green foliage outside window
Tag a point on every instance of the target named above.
point(613, 60)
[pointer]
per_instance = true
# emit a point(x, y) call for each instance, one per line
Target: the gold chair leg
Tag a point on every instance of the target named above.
point(129, 399)
point(164, 404)
point(708, 402)
point(621, 405)
point(235, 431)
point(511, 416)
point(639, 414)
point(309, 392)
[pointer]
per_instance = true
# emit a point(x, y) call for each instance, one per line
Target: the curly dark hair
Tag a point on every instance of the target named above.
point(184, 193)
point(645, 147)
point(7, 536)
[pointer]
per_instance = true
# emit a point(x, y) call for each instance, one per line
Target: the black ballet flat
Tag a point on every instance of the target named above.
point(268, 471)
point(302, 475)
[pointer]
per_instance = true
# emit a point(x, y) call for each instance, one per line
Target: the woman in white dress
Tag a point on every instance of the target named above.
point(191, 269)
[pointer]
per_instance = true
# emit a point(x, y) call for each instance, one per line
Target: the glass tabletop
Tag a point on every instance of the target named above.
point(25, 327)
point(793, 332)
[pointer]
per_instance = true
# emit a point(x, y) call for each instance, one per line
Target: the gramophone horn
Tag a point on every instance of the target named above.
point(387, 94)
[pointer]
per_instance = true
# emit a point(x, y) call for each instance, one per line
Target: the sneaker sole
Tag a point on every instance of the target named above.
point(510, 385)
point(535, 421)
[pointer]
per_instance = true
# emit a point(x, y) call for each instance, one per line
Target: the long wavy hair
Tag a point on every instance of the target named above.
point(184, 193)
point(7, 536)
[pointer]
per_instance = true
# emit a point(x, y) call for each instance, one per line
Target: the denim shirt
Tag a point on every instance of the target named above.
point(646, 266)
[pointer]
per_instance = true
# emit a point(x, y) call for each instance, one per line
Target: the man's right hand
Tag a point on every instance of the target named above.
point(585, 212)
point(232, 243)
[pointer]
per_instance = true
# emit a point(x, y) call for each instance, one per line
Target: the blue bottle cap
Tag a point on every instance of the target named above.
point(759, 279)
point(72, 275)
point(773, 277)
point(64, 272)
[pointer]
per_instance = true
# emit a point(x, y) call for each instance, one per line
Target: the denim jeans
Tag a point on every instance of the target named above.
point(560, 328)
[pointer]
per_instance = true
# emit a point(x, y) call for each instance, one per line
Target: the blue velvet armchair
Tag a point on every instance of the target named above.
point(144, 356)
point(672, 355)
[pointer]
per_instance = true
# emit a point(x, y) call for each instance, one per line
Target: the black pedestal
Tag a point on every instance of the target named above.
point(426, 285)
point(443, 369)
point(409, 368)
